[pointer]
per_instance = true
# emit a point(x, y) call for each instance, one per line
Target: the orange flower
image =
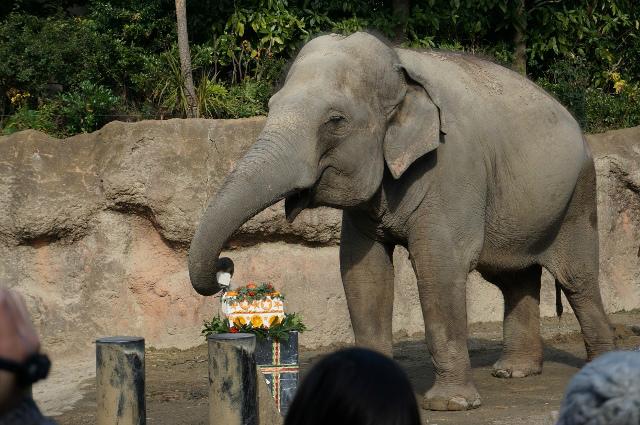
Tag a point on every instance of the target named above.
point(275, 294)
point(274, 321)
point(256, 321)
point(251, 285)
point(234, 330)
point(232, 294)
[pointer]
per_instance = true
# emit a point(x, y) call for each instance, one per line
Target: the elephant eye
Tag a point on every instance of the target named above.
point(337, 124)
point(336, 119)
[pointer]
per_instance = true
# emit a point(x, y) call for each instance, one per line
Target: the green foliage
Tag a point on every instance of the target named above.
point(597, 109)
point(49, 49)
point(212, 98)
point(87, 108)
point(568, 81)
point(292, 322)
point(169, 93)
point(248, 99)
point(38, 52)
point(25, 118)
point(216, 326)
point(256, 33)
point(606, 111)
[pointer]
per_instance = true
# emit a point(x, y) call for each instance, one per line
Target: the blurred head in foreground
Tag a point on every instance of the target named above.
point(355, 387)
point(605, 392)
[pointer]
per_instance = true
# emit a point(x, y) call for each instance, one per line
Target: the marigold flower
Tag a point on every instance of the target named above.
point(251, 285)
point(256, 321)
point(232, 294)
point(274, 321)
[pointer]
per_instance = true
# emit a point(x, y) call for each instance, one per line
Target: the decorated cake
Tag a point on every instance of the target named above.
point(260, 305)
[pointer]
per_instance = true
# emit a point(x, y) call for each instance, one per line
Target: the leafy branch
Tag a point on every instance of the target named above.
point(292, 322)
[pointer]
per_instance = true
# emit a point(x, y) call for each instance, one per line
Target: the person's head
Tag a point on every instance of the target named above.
point(355, 387)
point(605, 392)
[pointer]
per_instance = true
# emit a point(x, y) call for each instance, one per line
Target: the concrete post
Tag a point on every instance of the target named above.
point(120, 381)
point(233, 396)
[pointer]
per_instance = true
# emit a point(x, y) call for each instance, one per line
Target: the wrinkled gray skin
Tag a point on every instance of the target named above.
point(465, 163)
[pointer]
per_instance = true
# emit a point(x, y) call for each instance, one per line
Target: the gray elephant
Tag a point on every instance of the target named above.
point(465, 163)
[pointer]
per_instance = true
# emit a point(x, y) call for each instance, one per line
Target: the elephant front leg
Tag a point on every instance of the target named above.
point(442, 278)
point(367, 275)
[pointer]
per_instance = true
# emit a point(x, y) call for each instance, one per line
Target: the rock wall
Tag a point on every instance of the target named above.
point(94, 231)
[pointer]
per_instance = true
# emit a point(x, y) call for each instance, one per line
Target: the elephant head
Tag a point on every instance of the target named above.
point(348, 106)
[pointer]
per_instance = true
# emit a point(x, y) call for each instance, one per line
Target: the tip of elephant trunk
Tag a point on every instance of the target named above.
point(205, 287)
point(205, 281)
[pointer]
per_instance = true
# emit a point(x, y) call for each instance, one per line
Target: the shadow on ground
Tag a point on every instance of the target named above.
point(177, 380)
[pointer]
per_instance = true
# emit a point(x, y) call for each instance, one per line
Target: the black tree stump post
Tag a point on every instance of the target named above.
point(120, 381)
point(233, 395)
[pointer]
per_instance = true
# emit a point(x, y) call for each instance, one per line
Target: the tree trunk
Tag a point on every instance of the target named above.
point(520, 38)
point(185, 58)
point(401, 9)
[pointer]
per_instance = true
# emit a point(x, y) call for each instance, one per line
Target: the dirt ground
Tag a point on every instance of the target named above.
point(176, 386)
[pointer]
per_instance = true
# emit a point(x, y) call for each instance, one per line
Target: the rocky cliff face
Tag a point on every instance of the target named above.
point(94, 231)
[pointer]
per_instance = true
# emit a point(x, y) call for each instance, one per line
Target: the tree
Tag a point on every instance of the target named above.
point(519, 38)
point(185, 58)
point(401, 10)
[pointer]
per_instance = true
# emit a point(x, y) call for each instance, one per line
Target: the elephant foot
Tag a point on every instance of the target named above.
point(516, 368)
point(451, 397)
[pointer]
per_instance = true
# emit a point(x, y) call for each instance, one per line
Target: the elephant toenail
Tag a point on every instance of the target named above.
point(458, 403)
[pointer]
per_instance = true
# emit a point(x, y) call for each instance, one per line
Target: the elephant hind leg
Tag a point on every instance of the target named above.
point(573, 261)
point(522, 344)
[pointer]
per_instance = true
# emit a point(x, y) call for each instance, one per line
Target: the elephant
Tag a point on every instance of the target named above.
point(467, 164)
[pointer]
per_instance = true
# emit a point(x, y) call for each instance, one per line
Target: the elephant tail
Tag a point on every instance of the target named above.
point(559, 308)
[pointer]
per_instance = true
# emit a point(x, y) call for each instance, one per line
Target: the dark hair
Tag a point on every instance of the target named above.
point(355, 387)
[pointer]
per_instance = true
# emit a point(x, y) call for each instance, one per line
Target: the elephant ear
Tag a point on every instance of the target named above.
point(415, 125)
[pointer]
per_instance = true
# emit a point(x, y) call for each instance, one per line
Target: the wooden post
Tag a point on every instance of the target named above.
point(233, 396)
point(120, 381)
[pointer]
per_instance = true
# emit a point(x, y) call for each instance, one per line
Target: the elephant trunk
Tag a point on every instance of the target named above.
point(264, 176)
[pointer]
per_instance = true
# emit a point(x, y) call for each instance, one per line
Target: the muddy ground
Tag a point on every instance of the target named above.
point(177, 380)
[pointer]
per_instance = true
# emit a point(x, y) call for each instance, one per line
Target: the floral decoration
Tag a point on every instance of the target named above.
point(277, 330)
point(253, 292)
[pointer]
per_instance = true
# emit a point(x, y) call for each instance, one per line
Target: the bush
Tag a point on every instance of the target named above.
point(598, 109)
point(243, 100)
point(87, 108)
point(25, 118)
point(606, 111)
point(39, 52)
point(568, 81)
point(248, 99)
